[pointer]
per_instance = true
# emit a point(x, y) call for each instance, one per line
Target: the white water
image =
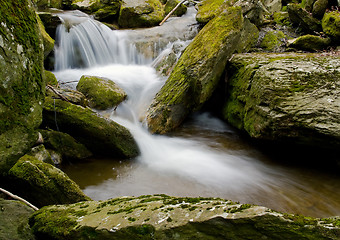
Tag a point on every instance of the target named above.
point(187, 166)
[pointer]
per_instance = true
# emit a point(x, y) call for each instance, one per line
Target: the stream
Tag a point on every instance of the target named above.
point(204, 157)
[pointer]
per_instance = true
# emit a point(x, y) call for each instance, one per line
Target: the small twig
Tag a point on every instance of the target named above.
point(19, 198)
point(167, 16)
point(56, 92)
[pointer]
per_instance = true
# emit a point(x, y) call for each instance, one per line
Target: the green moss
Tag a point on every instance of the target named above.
point(331, 24)
point(50, 78)
point(282, 18)
point(209, 9)
point(272, 40)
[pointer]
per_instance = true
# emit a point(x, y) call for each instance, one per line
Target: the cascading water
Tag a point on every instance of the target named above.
point(204, 162)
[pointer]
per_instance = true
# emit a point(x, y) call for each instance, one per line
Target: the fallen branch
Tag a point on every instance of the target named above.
point(167, 16)
point(19, 198)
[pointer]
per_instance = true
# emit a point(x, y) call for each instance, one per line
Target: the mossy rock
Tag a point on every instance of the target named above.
point(310, 43)
point(100, 135)
point(65, 144)
point(47, 40)
point(50, 78)
point(303, 19)
point(319, 8)
point(272, 41)
point(208, 9)
point(285, 98)
point(69, 95)
point(51, 22)
point(331, 25)
point(163, 217)
point(143, 13)
point(102, 93)
point(199, 69)
point(22, 87)
point(39, 152)
point(43, 184)
point(171, 4)
point(14, 217)
point(282, 19)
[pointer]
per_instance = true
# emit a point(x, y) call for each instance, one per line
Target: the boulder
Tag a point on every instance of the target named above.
point(303, 19)
point(47, 40)
point(43, 184)
point(50, 78)
point(272, 5)
point(309, 5)
point(331, 25)
point(310, 43)
point(319, 8)
point(254, 10)
point(142, 13)
point(51, 21)
point(14, 217)
point(102, 93)
point(22, 87)
point(163, 217)
point(199, 69)
point(285, 97)
point(171, 4)
point(100, 135)
point(39, 152)
point(272, 40)
point(65, 145)
point(69, 95)
point(208, 9)
point(44, 4)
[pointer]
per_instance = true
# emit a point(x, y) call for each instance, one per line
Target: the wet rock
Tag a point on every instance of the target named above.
point(142, 13)
point(164, 217)
point(43, 184)
point(50, 21)
point(22, 87)
point(199, 69)
point(14, 217)
point(285, 97)
point(65, 145)
point(100, 135)
point(50, 78)
point(302, 19)
point(39, 152)
point(102, 93)
point(310, 43)
point(69, 95)
point(331, 25)
point(171, 4)
point(47, 40)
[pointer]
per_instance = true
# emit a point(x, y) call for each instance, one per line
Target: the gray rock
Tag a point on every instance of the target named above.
point(286, 97)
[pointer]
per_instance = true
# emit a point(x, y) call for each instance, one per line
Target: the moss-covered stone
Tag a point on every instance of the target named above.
point(282, 18)
point(40, 153)
point(14, 217)
point(331, 25)
point(171, 4)
point(100, 135)
point(50, 78)
point(303, 19)
point(102, 93)
point(43, 184)
point(310, 43)
point(64, 144)
point(47, 40)
point(319, 8)
point(285, 97)
point(208, 9)
point(272, 41)
point(69, 95)
point(198, 71)
point(22, 86)
point(163, 217)
point(143, 13)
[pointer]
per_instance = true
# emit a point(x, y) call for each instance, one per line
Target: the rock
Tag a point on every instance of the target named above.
point(254, 10)
point(47, 40)
point(208, 9)
point(64, 144)
point(14, 217)
point(319, 8)
point(141, 13)
point(199, 69)
point(163, 217)
point(100, 135)
point(282, 18)
point(69, 95)
point(44, 4)
point(22, 87)
point(285, 97)
point(301, 18)
point(310, 43)
point(272, 5)
point(331, 25)
point(309, 5)
point(171, 4)
point(51, 22)
point(43, 184)
point(50, 78)
point(102, 93)
point(39, 152)
point(272, 41)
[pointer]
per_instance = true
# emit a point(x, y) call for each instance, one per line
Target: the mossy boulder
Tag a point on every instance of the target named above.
point(64, 144)
point(171, 4)
point(303, 19)
point(14, 217)
point(51, 21)
point(22, 87)
point(47, 40)
point(102, 93)
point(208, 9)
point(331, 25)
point(272, 41)
point(142, 13)
point(100, 135)
point(50, 78)
point(163, 217)
point(285, 98)
point(39, 152)
point(310, 43)
point(319, 8)
point(199, 69)
point(43, 184)
point(69, 95)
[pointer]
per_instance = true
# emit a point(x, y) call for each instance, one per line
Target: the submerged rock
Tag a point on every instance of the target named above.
point(100, 135)
point(22, 87)
point(199, 69)
point(14, 217)
point(285, 97)
point(163, 217)
point(43, 184)
point(102, 93)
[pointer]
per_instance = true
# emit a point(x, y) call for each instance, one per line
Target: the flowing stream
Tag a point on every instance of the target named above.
point(205, 157)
